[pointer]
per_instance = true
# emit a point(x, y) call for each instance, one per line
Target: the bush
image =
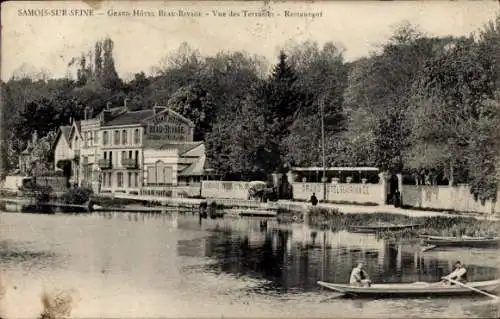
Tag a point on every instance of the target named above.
point(42, 193)
point(77, 196)
point(116, 202)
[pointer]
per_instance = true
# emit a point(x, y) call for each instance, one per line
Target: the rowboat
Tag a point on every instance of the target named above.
point(381, 228)
point(462, 241)
point(417, 289)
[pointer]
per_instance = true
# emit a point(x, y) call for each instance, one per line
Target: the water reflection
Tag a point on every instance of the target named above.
point(295, 259)
point(157, 265)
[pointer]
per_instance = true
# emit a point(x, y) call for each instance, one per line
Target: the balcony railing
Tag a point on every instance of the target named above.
point(129, 163)
point(104, 163)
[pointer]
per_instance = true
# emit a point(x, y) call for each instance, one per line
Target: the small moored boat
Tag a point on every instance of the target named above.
point(417, 289)
point(462, 241)
point(382, 228)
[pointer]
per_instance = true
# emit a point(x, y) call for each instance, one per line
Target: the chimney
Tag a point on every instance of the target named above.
point(106, 113)
point(125, 104)
point(86, 112)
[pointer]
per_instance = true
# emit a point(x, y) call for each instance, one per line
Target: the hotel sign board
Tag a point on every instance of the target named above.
point(169, 127)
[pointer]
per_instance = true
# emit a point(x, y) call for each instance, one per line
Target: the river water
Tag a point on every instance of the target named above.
point(152, 265)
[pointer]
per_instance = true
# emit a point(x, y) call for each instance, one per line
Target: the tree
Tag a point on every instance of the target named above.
point(280, 99)
point(197, 105)
point(218, 146)
point(109, 77)
point(484, 151)
point(321, 76)
point(98, 59)
point(250, 154)
point(382, 85)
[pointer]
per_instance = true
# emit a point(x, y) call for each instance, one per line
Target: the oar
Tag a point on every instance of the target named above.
point(471, 288)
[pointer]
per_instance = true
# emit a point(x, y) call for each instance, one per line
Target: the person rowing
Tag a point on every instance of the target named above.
point(359, 277)
point(459, 273)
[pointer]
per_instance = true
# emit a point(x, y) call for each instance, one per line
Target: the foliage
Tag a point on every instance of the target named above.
point(77, 196)
point(321, 77)
point(456, 115)
point(197, 104)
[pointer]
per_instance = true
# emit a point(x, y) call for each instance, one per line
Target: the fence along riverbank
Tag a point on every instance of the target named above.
point(425, 197)
point(455, 199)
point(288, 205)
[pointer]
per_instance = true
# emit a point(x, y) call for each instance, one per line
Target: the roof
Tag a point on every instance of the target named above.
point(65, 131)
point(197, 151)
point(130, 117)
point(76, 126)
point(182, 147)
point(195, 169)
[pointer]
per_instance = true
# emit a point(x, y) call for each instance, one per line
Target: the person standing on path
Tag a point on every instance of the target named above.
point(314, 200)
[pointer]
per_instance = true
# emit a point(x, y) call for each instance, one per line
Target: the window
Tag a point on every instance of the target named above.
point(116, 138)
point(105, 137)
point(159, 174)
point(136, 179)
point(137, 157)
point(91, 138)
point(152, 175)
point(119, 179)
point(111, 158)
point(124, 137)
point(85, 139)
point(96, 137)
point(109, 179)
point(137, 137)
point(105, 154)
point(104, 179)
point(124, 155)
point(130, 179)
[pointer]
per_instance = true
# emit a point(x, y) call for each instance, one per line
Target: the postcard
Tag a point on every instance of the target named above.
point(255, 159)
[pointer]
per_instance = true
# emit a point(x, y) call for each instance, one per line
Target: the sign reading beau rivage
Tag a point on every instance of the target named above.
point(362, 189)
point(168, 127)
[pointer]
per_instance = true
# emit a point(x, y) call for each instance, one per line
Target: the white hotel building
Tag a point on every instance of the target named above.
point(147, 151)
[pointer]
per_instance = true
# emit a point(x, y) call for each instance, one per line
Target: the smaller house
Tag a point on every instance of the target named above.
point(61, 147)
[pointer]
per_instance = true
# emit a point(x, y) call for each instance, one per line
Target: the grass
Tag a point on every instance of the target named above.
point(117, 202)
point(333, 219)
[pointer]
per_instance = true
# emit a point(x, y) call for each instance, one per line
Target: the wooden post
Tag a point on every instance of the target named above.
point(322, 105)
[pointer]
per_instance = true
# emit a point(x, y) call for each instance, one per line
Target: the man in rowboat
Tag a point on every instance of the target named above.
point(459, 273)
point(359, 277)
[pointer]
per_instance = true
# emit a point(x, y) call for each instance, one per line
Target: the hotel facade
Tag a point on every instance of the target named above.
point(137, 152)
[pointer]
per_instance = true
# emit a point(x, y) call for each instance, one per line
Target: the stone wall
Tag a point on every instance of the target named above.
point(457, 198)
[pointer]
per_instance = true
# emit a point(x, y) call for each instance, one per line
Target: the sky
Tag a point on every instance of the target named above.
point(50, 42)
